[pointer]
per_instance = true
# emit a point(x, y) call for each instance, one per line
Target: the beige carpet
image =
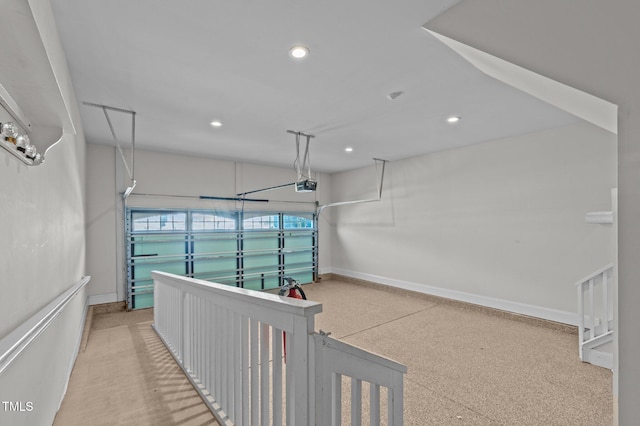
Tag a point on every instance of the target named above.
point(465, 367)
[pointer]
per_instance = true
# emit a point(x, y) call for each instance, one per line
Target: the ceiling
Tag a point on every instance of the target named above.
point(180, 65)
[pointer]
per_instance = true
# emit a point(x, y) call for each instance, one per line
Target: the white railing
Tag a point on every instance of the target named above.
point(335, 359)
point(595, 312)
point(229, 341)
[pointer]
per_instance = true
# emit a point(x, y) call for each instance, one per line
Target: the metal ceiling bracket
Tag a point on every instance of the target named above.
point(130, 170)
point(306, 163)
point(368, 200)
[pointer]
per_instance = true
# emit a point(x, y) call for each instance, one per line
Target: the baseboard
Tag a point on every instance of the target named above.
point(99, 299)
point(534, 311)
point(88, 322)
point(76, 350)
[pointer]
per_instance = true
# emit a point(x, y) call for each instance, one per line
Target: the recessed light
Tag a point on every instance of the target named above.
point(216, 123)
point(298, 52)
point(453, 119)
point(348, 149)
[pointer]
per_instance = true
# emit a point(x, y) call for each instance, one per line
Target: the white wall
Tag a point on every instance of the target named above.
point(43, 254)
point(500, 223)
point(42, 233)
point(100, 224)
point(182, 179)
point(42, 228)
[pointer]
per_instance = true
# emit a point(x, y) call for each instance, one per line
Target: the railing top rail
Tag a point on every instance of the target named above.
point(595, 274)
point(360, 353)
point(288, 305)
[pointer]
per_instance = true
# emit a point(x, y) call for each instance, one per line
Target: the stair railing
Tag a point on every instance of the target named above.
point(595, 310)
point(229, 342)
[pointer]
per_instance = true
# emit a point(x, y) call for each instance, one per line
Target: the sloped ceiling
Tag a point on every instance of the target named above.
point(180, 65)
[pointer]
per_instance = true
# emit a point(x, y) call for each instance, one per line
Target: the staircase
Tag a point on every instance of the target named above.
point(595, 317)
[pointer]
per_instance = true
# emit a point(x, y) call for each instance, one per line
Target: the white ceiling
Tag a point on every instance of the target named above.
point(180, 65)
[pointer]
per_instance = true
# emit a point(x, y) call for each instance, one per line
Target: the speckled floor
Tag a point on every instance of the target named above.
point(465, 367)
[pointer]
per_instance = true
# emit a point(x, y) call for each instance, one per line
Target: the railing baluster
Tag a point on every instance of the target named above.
point(290, 395)
point(183, 326)
point(395, 396)
point(194, 334)
point(224, 362)
point(592, 307)
point(193, 315)
point(186, 332)
point(177, 319)
point(188, 347)
point(161, 317)
point(605, 300)
point(218, 353)
point(253, 332)
point(356, 401)
point(168, 300)
point(175, 303)
point(209, 351)
point(179, 302)
point(180, 317)
point(230, 366)
point(374, 404)
point(277, 376)
point(264, 375)
point(580, 289)
point(336, 400)
point(203, 339)
point(244, 331)
point(238, 368)
point(214, 344)
point(198, 343)
point(195, 365)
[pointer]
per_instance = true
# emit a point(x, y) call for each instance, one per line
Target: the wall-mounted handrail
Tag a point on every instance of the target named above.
point(12, 345)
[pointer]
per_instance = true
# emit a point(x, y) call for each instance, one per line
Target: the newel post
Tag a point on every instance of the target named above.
point(300, 368)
